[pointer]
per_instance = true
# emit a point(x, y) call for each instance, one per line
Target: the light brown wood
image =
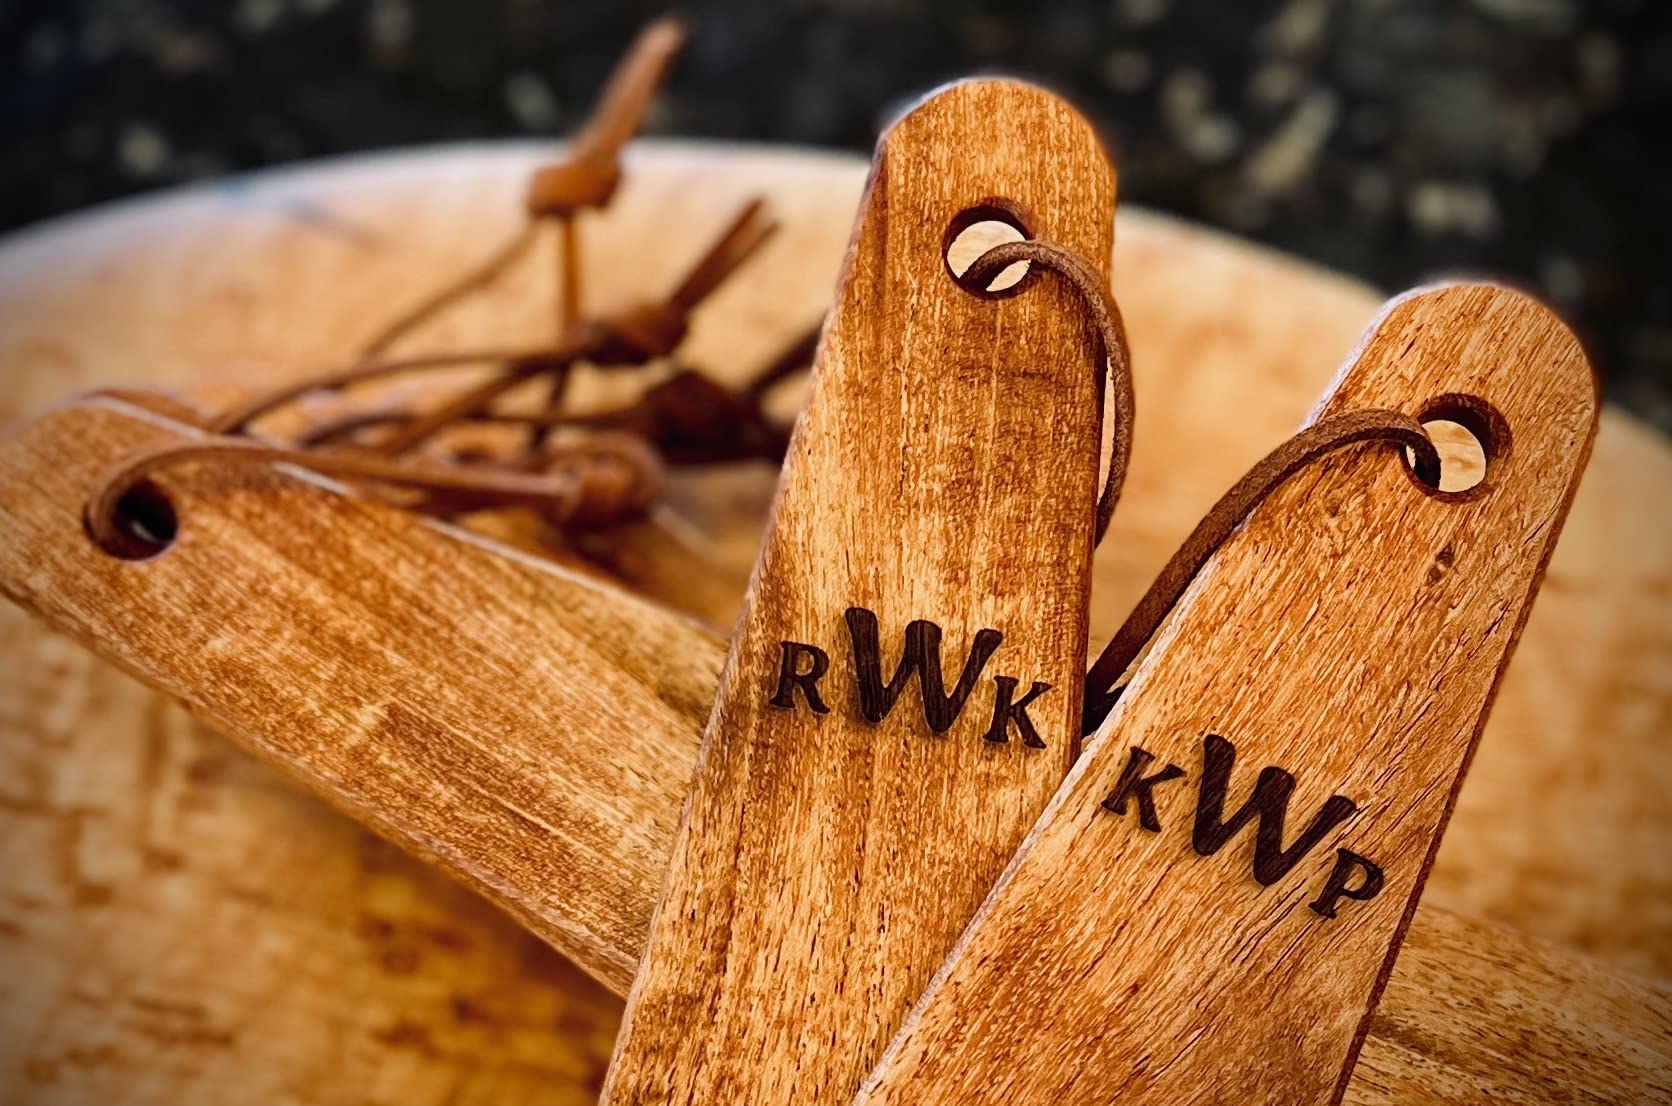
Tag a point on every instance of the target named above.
point(218, 291)
point(1559, 831)
point(942, 479)
point(1348, 638)
point(180, 926)
point(464, 735)
point(1566, 1031)
point(62, 454)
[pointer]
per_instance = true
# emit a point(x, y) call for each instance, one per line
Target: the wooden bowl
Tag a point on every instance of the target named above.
point(180, 925)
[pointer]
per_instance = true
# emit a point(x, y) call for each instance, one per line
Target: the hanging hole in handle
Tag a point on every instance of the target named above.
point(1472, 439)
point(977, 229)
point(146, 524)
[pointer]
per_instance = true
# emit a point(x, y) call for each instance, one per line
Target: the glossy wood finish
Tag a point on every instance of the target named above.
point(831, 852)
point(1318, 693)
point(206, 291)
point(1444, 1025)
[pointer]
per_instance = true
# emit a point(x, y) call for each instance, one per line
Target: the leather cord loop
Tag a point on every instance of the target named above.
point(1113, 373)
point(1322, 438)
point(605, 477)
point(637, 335)
point(601, 479)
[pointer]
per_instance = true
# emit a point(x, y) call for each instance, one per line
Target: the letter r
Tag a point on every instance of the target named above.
point(791, 677)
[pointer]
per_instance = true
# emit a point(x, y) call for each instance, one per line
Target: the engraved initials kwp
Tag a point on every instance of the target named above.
point(1353, 876)
point(1304, 719)
point(802, 666)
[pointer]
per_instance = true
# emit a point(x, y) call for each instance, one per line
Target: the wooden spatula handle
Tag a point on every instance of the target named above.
point(1210, 908)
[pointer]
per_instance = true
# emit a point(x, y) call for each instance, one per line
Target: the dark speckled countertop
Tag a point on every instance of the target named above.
point(1395, 139)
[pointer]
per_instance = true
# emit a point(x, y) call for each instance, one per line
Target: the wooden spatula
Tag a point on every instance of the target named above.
point(902, 693)
point(1211, 906)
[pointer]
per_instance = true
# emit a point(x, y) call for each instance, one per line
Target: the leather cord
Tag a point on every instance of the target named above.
point(438, 301)
point(586, 176)
point(1317, 441)
point(1113, 371)
point(637, 335)
point(690, 418)
point(604, 478)
point(236, 420)
point(631, 337)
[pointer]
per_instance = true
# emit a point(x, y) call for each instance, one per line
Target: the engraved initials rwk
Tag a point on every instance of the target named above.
point(802, 666)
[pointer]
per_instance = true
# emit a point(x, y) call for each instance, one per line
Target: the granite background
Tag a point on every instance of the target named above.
point(1395, 139)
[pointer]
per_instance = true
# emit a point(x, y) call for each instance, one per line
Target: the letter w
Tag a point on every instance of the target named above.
point(923, 656)
point(1269, 803)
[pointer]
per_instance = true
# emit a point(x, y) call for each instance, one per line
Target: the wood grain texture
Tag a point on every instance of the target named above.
point(463, 734)
point(180, 926)
point(1577, 737)
point(941, 480)
point(1570, 1030)
point(1349, 638)
point(1452, 1023)
point(213, 291)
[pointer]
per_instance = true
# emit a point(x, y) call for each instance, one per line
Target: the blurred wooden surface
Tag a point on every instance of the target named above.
point(175, 921)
